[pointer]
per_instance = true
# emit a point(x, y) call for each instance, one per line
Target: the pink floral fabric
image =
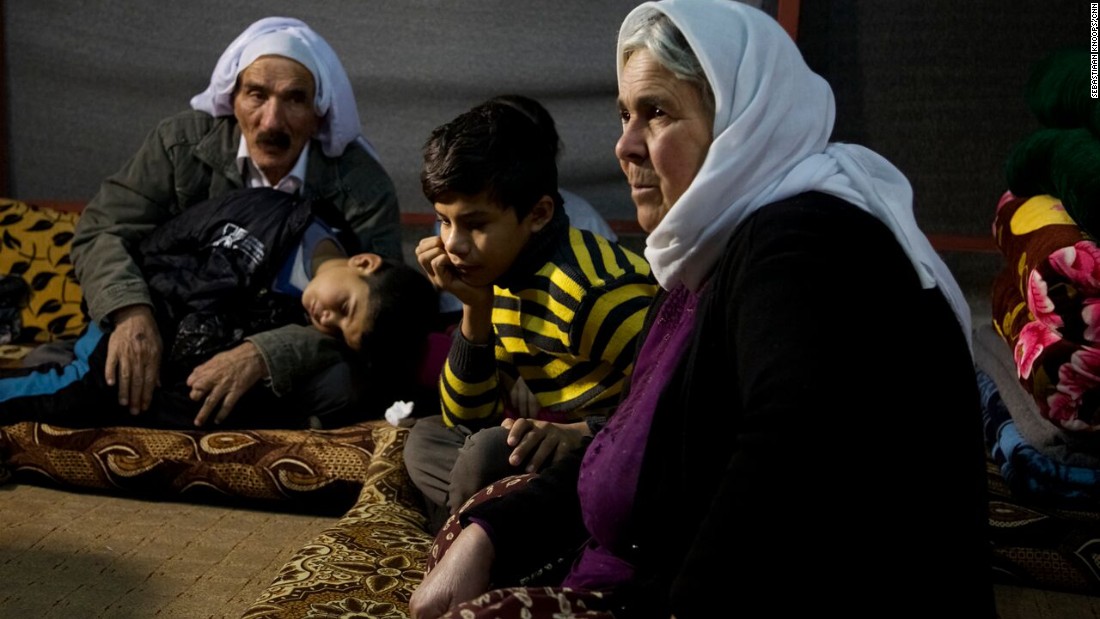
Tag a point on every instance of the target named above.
point(1046, 305)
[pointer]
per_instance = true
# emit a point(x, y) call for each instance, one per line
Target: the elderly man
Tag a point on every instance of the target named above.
point(279, 112)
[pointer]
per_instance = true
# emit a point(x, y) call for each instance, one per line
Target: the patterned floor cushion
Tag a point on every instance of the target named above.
point(318, 470)
point(370, 562)
point(1042, 546)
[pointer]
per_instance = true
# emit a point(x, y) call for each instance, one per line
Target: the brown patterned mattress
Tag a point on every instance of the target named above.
point(319, 470)
point(367, 564)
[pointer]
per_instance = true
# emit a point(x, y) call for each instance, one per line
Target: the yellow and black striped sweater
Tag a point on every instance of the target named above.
point(568, 326)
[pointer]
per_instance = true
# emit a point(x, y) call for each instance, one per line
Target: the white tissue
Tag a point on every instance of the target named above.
point(398, 414)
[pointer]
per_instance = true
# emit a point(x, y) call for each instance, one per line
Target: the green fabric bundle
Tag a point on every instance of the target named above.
point(1062, 158)
point(1058, 90)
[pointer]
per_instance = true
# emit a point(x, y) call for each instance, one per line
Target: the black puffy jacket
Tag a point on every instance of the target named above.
point(210, 269)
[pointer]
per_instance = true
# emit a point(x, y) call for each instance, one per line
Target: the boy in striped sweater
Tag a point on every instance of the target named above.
point(550, 313)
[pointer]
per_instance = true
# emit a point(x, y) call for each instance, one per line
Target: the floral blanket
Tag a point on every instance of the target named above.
point(1046, 305)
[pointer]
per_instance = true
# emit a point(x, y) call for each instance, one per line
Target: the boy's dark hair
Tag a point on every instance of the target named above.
point(404, 305)
point(496, 148)
point(539, 115)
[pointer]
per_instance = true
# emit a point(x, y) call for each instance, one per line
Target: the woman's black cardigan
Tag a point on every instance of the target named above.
point(819, 447)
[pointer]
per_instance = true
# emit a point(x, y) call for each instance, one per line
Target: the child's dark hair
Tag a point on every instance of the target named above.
point(495, 148)
point(404, 305)
point(539, 115)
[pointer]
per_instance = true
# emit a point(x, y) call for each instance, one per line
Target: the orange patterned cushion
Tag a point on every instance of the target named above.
point(35, 244)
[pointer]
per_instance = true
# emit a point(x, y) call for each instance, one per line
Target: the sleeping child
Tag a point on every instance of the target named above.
point(233, 266)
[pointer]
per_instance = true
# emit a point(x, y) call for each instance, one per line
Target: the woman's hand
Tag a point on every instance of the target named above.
point(133, 356)
point(541, 442)
point(462, 574)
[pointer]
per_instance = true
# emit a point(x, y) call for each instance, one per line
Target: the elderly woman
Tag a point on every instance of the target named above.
point(802, 431)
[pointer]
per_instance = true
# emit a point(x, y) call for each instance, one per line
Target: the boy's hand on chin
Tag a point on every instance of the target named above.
point(437, 265)
point(433, 259)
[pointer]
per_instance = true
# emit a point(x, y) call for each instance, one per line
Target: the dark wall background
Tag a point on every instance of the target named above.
point(87, 80)
point(935, 86)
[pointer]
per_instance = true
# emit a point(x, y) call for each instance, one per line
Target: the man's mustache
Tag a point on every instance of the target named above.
point(277, 139)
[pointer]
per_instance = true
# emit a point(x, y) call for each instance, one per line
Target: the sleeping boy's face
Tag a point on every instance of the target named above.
point(337, 299)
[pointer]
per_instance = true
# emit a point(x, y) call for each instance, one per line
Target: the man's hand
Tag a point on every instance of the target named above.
point(133, 356)
point(433, 258)
point(537, 441)
point(221, 381)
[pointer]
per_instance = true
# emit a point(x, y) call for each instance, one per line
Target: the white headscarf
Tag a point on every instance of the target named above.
point(773, 118)
point(290, 38)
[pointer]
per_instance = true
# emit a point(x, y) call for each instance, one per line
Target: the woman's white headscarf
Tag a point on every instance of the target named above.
point(773, 118)
point(291, 38)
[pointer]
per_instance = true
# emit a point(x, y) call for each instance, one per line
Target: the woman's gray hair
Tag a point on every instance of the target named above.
point(652, 30)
